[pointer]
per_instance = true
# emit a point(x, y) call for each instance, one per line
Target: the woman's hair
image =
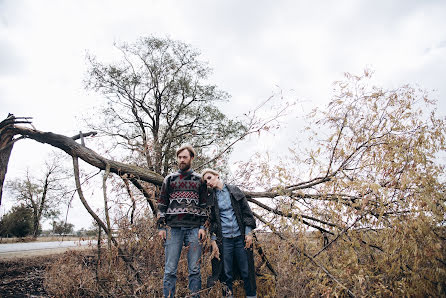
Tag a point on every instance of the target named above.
point(213, 172)
point(188, 148)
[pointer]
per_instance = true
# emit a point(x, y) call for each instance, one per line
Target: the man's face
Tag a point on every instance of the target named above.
point(184, 160)
point(211, 179)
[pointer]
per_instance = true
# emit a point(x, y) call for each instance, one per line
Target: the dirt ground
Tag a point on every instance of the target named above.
point(22, 273)
point(23, 277)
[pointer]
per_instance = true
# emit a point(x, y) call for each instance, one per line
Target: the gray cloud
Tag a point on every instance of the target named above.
point(10, 62)
point(441, 44)
point(3, 19)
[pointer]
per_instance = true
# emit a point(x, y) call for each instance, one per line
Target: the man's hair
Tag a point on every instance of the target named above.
point(188, 148)
point(213, 172)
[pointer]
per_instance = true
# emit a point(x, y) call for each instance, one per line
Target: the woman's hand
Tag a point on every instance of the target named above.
point(201, 234)
point(162, 234)
point(248, 241)
point(215, 250)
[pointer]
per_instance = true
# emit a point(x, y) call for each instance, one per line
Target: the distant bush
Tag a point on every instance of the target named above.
point(17, 222)
point(62, 227)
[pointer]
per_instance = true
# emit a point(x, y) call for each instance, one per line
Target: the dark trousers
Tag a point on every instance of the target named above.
point(235, 247)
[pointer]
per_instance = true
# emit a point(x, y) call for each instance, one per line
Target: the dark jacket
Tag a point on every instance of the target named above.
point(244, 218)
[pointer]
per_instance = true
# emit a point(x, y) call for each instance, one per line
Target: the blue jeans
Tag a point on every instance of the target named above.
point(176, 238)
point(236, 247)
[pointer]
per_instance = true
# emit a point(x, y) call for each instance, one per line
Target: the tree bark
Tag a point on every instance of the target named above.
point(6, 144)
point(5, 153)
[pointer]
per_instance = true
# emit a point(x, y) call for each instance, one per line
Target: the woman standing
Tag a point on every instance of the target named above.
point(230, 227)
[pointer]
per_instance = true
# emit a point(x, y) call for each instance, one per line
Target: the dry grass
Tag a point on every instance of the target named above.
point(364, 270)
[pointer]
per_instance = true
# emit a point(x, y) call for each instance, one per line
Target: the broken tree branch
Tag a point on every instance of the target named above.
point(98, 220)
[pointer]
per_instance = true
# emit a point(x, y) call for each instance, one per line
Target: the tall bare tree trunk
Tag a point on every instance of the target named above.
point(107, 216)
point(6, 144)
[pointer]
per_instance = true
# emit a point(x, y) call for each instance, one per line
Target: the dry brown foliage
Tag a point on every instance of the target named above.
point(397, 270)
point(79, 274)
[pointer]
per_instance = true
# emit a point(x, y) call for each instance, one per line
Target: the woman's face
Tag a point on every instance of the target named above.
point(211, 179)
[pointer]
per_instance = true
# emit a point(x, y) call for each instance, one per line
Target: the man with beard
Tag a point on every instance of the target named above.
point(181, 218)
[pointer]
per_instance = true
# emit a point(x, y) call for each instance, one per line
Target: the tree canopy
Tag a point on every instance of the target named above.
point(62, 227)
point(158, 97)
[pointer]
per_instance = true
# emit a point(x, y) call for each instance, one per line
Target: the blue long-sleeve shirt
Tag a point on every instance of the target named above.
point(229, 225)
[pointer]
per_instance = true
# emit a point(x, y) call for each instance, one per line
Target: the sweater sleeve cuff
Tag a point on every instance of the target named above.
point(248, 230)
point(201, 227)
point(213, 237)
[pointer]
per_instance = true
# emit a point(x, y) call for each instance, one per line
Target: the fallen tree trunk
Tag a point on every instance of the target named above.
point(6, 144)
point(74, 149)
point(9, 129)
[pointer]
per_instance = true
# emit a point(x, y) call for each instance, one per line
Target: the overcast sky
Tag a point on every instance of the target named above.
point(254, 47)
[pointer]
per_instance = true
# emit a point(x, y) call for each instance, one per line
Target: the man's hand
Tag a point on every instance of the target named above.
point(201, 234)
point(248, 241)
point(215, 250)
point(162, 234)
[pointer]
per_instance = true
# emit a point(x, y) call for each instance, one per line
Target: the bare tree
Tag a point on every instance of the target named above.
point(42, 195)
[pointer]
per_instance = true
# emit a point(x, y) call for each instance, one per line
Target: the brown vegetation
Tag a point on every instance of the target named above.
point(369, 272)
point(80, 274)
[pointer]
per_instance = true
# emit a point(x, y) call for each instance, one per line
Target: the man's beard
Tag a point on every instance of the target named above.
point(184, 166)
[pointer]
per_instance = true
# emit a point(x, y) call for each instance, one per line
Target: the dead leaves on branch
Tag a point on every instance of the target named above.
point(373, 156)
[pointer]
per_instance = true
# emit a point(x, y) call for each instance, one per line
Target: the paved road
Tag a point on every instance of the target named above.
point(10, 250)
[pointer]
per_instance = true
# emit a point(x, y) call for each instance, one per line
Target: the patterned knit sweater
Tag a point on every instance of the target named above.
point(182, 202)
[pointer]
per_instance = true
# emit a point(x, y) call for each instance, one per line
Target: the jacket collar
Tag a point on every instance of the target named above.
point(236, 192)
